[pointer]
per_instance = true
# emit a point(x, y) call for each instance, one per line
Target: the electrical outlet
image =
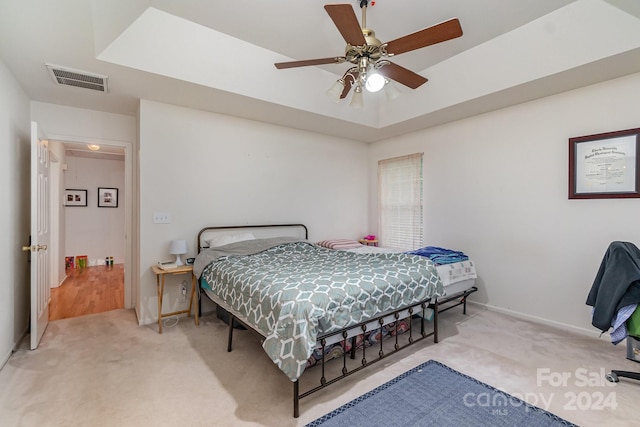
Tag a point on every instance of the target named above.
point(161, 218)
point(183, 291)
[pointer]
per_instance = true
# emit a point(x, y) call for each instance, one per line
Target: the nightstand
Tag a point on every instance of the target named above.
point(369, 242)
point(160, 275)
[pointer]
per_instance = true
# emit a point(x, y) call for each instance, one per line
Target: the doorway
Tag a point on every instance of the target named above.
point(92, 252)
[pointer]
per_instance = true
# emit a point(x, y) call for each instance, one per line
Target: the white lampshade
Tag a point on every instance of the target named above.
point(375, 82)
point(177, 248)
point(335, 91)
point(391, 91)
point(356, 99)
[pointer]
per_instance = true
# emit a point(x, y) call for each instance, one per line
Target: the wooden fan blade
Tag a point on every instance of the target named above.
point(436, 34)
point(307, 62)
point(346, 21)
point(402, 75)
point(347, 86)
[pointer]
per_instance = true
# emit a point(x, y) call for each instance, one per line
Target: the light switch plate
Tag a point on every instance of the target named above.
point(161, 218)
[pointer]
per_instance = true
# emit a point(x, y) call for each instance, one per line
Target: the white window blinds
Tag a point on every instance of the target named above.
point(400, 202)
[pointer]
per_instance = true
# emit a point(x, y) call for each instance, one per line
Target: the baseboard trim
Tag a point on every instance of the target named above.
point(7, 356)
point(541, 320)
point(138, 317)
point(61, 282)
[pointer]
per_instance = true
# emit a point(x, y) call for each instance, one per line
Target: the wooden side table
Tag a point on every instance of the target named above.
point(160, 275)
point(369, 242)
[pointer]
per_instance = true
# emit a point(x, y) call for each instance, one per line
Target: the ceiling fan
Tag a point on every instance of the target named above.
point(372, 70)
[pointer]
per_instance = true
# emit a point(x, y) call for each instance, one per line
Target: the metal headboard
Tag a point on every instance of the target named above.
point(260, 231)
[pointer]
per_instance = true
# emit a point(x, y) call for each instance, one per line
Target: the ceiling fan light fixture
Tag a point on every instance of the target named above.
point(335, 91)
point(368, 54)
point(391, 90)
point(357, 101)
point(375, 82)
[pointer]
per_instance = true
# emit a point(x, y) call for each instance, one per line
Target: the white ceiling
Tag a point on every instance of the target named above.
point(218, 56)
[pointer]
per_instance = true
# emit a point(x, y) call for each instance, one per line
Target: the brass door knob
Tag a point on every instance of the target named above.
point(34, 248)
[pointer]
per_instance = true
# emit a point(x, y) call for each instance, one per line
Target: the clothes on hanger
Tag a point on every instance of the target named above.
point(617, 284)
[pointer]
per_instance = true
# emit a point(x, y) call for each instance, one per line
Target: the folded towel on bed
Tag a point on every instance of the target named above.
point(339, 244)
point(440, 255)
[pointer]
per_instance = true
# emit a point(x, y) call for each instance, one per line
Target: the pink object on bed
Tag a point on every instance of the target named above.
point(339, 244)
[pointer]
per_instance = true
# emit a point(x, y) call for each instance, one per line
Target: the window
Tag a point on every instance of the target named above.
point(400, 202)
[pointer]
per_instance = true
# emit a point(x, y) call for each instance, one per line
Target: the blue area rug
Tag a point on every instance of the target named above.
point(433, 394)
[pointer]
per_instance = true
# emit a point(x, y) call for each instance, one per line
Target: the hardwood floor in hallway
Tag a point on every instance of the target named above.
point(87, 291)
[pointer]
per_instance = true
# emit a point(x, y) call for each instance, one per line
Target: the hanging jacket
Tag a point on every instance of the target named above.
point(617, 283)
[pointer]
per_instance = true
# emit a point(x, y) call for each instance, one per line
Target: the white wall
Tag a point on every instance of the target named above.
point(93, 231)
point(496, 187)
point(15, 214)
point(210, 169)
point(80, 125)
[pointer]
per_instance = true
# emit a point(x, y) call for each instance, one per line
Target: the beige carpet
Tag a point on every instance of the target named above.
point(104, 370)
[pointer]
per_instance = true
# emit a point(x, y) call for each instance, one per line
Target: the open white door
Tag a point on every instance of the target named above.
point(40, 263)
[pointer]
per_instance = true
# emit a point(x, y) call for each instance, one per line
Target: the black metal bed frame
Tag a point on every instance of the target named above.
point(362, 328)
point(463, 300)
point(352, 332)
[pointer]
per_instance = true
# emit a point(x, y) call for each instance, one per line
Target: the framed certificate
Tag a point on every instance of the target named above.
point(604, 166)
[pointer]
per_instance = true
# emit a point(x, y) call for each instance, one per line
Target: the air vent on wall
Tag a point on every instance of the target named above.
point(70, 77)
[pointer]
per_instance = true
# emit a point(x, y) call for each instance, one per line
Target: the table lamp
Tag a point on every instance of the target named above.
point(177, 248)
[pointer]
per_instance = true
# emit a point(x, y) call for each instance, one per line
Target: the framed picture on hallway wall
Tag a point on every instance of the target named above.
point(74, 197)
point(107, 197)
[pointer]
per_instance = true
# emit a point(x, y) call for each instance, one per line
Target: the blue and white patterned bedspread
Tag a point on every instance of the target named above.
point(292, 292)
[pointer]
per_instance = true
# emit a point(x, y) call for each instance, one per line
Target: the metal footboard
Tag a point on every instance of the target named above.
point(417, 310)
point(410, 337)
point(368, 355)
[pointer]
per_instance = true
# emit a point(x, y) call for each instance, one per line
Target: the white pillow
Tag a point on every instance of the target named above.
point(230, 238)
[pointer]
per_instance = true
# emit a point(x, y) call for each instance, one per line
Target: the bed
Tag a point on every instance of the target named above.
point(300, 297)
